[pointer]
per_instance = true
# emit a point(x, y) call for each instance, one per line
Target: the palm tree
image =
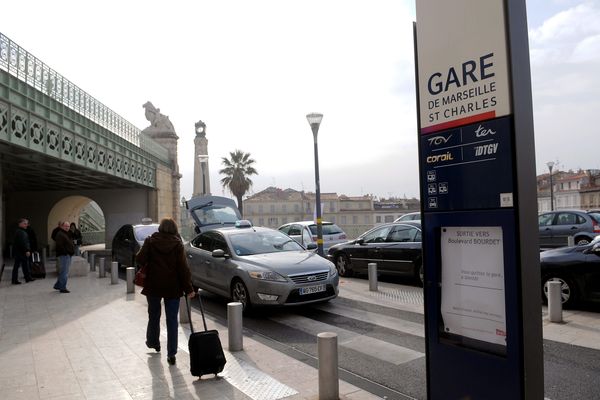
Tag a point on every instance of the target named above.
point(237, 171)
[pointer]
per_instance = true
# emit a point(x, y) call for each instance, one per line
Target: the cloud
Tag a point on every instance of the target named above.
point(567, 36)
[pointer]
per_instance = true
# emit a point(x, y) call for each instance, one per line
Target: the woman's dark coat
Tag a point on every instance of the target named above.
point(167, 271)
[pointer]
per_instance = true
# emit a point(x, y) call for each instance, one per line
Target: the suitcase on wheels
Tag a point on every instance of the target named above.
point(37, 267)
point(206, 351)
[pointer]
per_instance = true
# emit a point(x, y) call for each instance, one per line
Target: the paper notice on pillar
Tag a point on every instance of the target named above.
point(473, 303)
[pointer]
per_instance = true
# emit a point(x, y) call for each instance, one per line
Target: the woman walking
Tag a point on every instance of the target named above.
point(168, 277)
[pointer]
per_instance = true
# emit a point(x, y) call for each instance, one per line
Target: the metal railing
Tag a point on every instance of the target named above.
point(93, 237)
point(26, 67)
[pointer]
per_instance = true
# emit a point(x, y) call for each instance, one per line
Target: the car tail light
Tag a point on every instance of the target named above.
point(596, 227)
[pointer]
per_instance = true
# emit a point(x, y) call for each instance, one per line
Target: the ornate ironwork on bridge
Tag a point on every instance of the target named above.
point(45, 112)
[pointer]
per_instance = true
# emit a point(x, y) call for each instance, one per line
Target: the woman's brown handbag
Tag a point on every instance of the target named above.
point(140, 276)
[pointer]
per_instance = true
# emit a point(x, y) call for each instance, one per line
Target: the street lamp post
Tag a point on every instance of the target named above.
point(314, 120)
point(203, 159)
point(550, 165)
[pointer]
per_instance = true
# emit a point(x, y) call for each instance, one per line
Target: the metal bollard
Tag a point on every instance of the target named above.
point(570, 241)
point(555, 301)
point(372, 277)
point(114, 273)
point(93, 262)
point(101, 270)
point(234, 325)
point(130, 271)
point(327, 352)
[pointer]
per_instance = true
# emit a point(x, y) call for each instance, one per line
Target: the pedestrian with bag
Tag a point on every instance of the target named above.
point(64, 251)
point(22, 249)
point(168, 277)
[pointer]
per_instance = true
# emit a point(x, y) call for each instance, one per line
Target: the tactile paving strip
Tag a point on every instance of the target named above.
point(401, 295)
point(253, 382)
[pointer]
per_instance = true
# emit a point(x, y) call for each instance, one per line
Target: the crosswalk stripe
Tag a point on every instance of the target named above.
point(397, 324)
point(364, 344)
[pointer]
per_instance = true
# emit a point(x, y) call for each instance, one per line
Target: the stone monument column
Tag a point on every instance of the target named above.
point(168, 178)
point(201, 173)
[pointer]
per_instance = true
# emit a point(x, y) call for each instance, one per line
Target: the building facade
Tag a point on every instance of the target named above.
point(570, 190)
point(274, 207)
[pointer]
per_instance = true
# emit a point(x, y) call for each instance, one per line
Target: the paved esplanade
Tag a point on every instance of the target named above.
point(89, 344)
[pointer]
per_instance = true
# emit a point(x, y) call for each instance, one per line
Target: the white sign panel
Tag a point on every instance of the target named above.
point(473, 303)
point(462, 62)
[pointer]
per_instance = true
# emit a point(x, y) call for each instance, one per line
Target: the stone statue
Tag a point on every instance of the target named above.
point(158, 122)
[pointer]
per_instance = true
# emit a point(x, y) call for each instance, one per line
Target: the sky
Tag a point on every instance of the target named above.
point(252, 70)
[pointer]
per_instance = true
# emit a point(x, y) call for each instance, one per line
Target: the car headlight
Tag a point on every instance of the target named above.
point(332, 270)
point(267, 276)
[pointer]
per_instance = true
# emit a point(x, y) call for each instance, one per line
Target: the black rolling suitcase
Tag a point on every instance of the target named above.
point(206, 352)
point(37, 266)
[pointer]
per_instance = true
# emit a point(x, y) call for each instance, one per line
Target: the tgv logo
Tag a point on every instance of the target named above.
point(438, 140)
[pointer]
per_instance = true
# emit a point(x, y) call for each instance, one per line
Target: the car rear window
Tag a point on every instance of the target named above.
point(328, 229)
point(142, 232)
point(595, 216)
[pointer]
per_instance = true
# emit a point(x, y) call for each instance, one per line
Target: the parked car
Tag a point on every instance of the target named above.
point(413, 216)
point(395, 247)
point(577, 268)
point(259, 267)
point(128, 240)
point(555, 227)
point(305, 232)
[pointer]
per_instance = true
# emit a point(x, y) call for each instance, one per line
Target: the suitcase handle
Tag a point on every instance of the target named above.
point(187, 303)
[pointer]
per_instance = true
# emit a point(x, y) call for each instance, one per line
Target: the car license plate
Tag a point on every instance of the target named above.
point(312, 289)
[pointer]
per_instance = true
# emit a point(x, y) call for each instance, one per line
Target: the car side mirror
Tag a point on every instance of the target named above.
point(196, 229)
point(219, 253)
point(311, 246)
point(596, 249)
point(360, 241)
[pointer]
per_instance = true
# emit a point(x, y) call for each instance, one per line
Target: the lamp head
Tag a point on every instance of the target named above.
point(550, 164)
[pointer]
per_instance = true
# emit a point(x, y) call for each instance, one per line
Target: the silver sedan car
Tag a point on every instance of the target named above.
point(259, 266)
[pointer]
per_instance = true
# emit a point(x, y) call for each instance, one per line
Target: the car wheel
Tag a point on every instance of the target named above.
point(567, 289)
point(421, 275)
point(240, 293)
point(342, 263)
point(580, 241)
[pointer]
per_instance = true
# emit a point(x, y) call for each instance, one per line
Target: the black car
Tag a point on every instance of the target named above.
point(395, 247)
point(128, 240)
point(577, 268)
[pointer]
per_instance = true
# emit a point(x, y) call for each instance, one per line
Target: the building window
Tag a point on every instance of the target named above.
point(333, 219)
point(260, 209)
point(343, 220)
point(331, 206)
point(378, 219)
point(248, 208)
point(284, 208)
point(284, 220)
point(367, 219)
point(272, 208)
point(296, 208)
point(261, 221)
point(354, 220)
point(273, 221)
point(389, 218)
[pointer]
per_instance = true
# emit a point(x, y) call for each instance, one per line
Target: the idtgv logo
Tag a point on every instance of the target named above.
point(438, 140)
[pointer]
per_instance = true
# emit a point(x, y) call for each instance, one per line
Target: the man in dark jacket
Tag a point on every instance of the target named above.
point(168, 277)
point(64, 251)
point(22, 250)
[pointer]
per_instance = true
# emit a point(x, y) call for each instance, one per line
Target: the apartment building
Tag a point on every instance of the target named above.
point(570, 189)
point(274, 207)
